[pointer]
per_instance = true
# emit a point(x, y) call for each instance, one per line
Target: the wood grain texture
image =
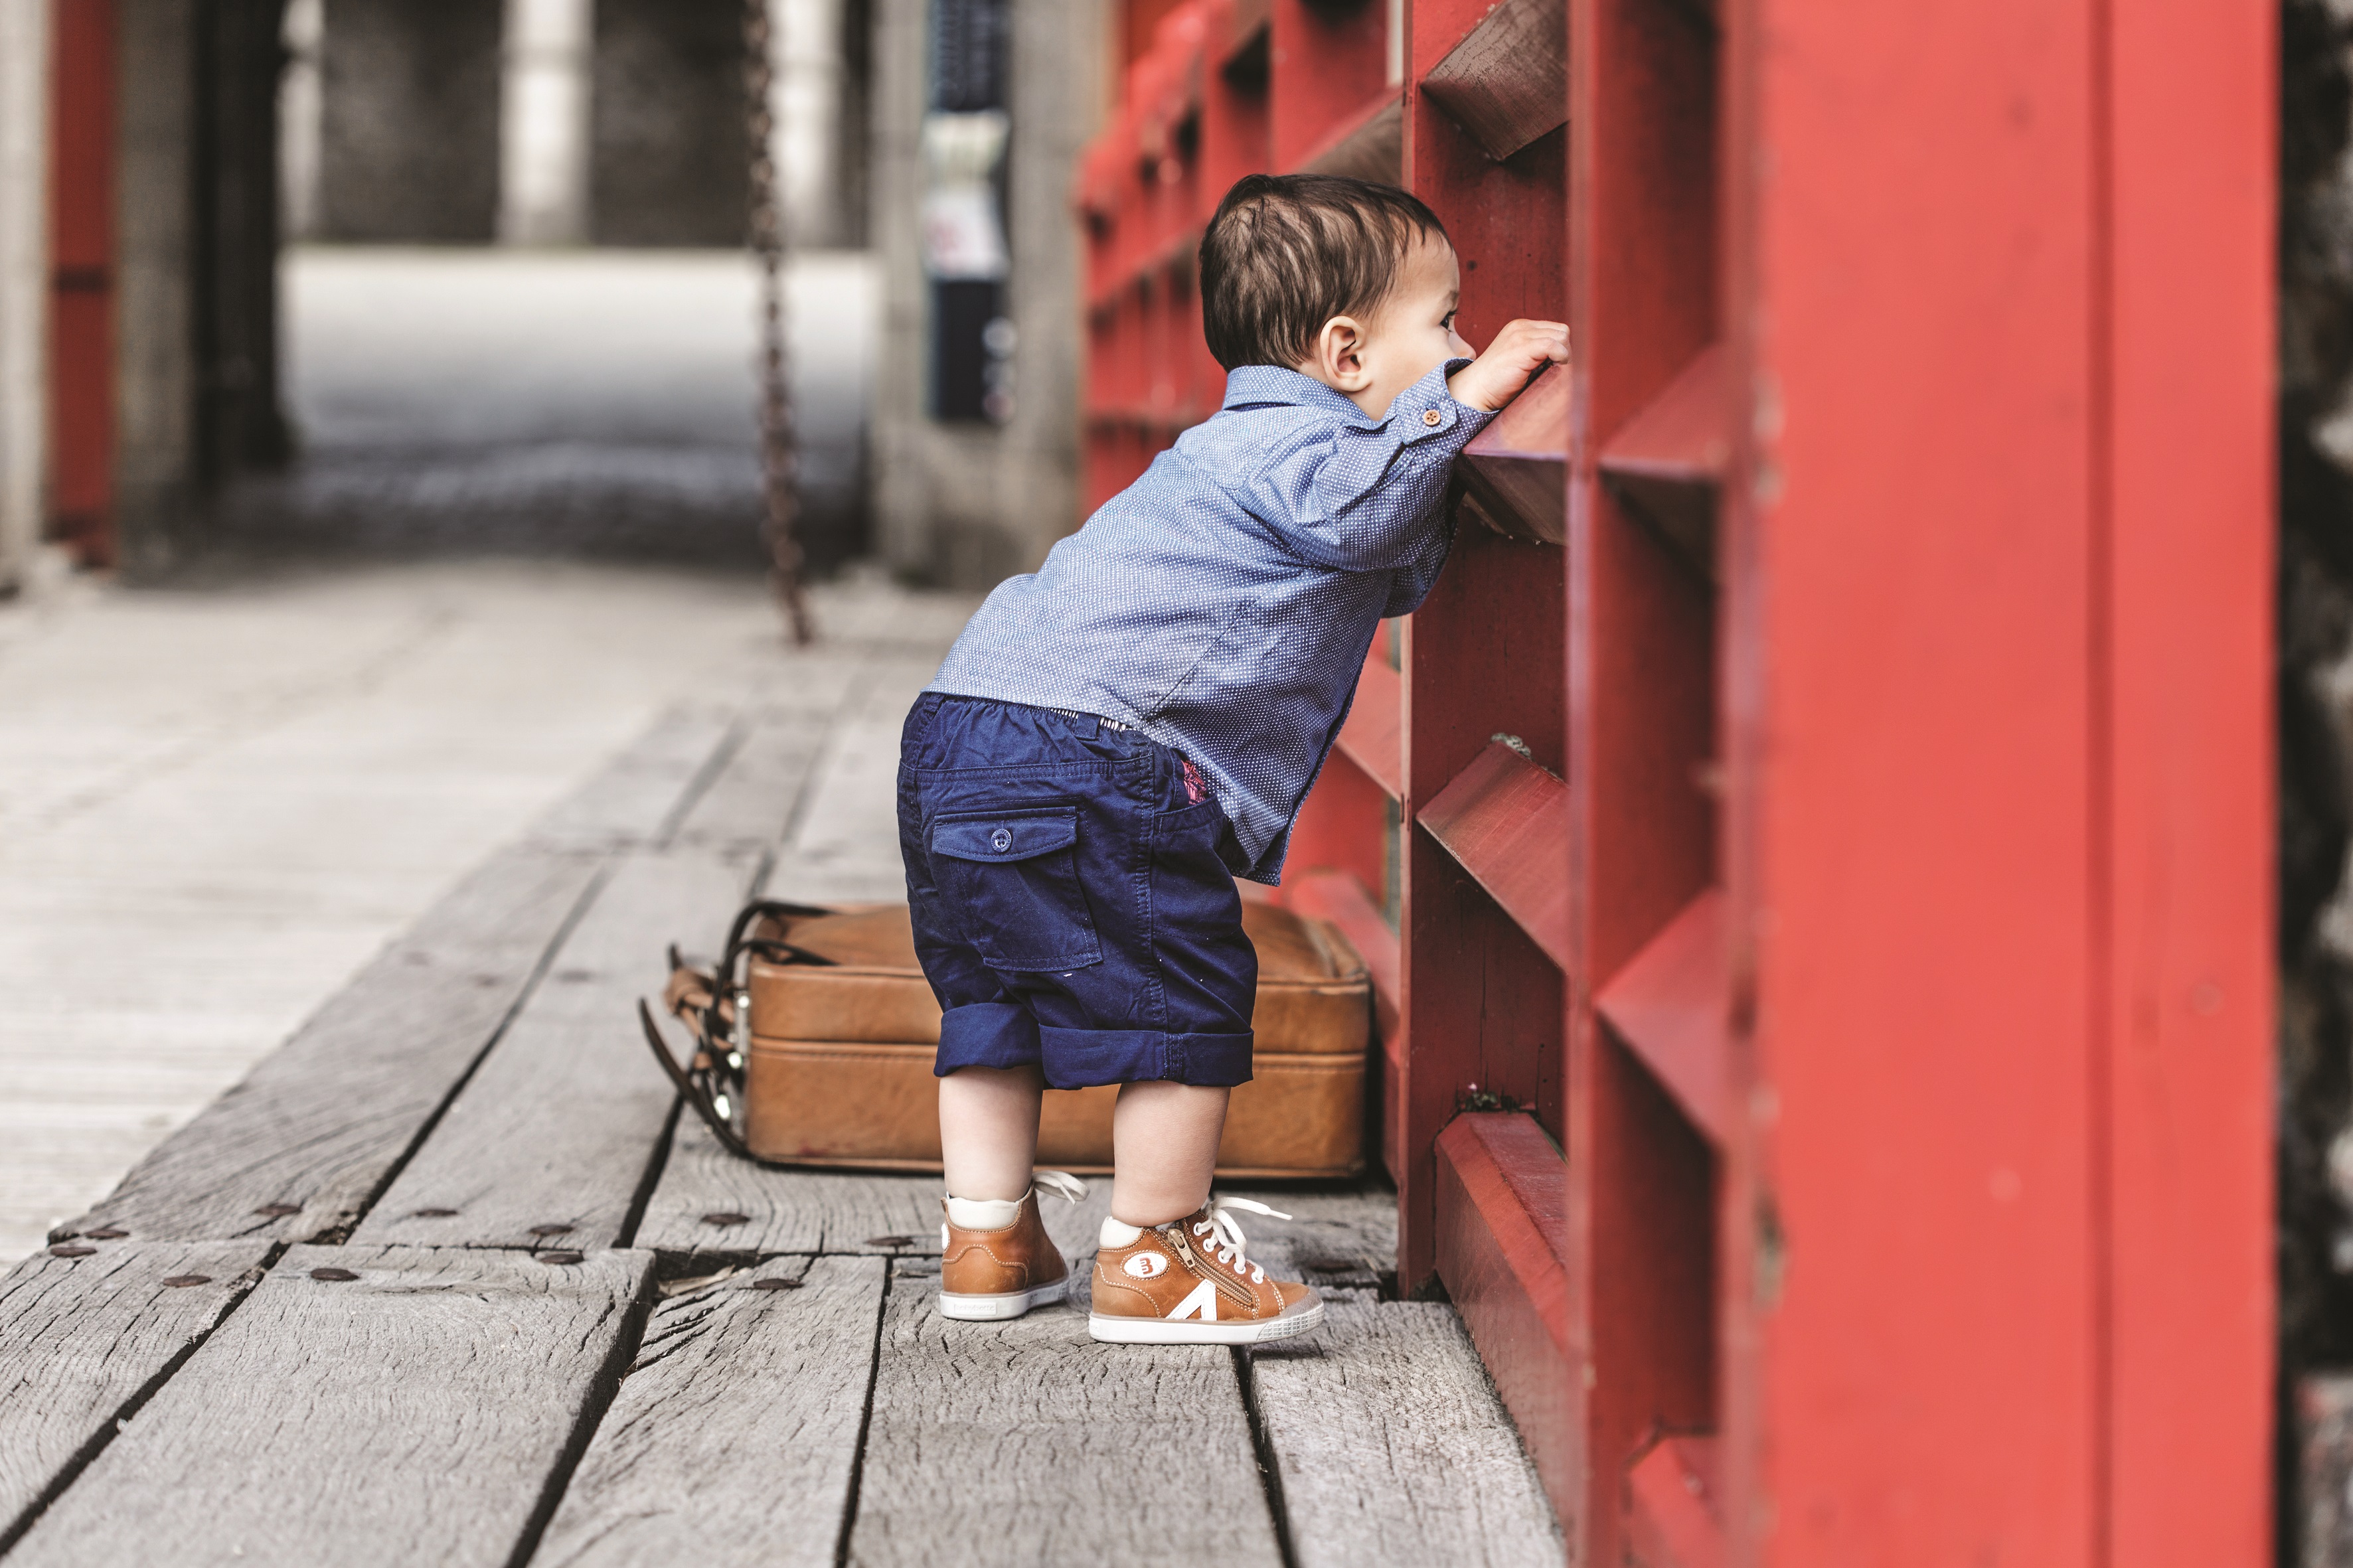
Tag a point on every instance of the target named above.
point(1026, 1442)
point(1392, 1447)
point(321, 1122)
point(734, 1438)
point(414, 1415)
point(790, 1210)
point(751, 797)
point(559, 1125)
point(1507, 81)
point(641, 796)
point(83, 1339)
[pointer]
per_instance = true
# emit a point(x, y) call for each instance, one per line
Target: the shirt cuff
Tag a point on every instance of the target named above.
point(1427, 412)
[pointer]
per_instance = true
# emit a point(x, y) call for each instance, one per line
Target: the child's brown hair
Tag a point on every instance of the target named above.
point(1286, 253)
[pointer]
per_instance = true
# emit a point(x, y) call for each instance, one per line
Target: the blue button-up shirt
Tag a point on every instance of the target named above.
point(1224, 603)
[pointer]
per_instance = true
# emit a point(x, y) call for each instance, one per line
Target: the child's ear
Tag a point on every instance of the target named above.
point(1340, 355)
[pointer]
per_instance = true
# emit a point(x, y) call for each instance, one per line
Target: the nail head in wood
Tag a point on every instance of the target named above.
point(279, 1211)
point(773, 1283)
point(332, 1276)
point(434, 1213)
point(559, 1258)
point(105, 1233)
point(549, 1229)
point(182, 1281)
point(63, 1250)
point(727, 1218)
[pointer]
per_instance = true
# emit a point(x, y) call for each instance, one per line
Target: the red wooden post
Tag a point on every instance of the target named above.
point(81, 302)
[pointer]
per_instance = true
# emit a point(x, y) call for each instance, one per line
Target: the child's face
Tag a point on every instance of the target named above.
point(1372, 359)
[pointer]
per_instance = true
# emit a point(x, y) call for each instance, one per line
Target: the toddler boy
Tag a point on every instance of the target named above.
point(1116, 738)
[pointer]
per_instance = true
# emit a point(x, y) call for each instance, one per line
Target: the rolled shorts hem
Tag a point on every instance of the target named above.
point(1003, 1034)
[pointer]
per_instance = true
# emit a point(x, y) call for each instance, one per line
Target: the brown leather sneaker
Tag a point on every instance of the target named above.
point(988, 1275)
point(1187, 1283)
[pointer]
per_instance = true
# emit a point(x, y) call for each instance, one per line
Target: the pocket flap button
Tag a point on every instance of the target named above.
point(1001, 840)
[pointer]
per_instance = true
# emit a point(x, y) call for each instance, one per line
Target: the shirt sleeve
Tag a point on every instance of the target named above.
point(1364, 497)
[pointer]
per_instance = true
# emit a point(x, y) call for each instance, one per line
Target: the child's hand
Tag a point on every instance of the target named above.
point(1519, 350)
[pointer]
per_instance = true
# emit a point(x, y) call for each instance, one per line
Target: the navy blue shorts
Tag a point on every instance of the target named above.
point(1071, 911)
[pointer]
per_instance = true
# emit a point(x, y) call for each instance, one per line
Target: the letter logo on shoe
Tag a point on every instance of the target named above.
point(1204, 1300)
point(1144, 1265)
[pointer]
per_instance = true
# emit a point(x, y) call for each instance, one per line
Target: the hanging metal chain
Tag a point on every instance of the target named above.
point(778, 460)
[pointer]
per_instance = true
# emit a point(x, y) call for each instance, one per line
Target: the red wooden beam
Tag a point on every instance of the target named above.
point(1673, 1509)
point(1372, 736)
point(1501, 1201)
point(1505, 821)
point(1516, 469)
point(1672, 1005)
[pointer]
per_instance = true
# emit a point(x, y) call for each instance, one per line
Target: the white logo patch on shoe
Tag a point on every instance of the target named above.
point(1204, 1300)
point(1144, 1265)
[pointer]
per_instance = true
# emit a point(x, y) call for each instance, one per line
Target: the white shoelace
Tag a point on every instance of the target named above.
point(1062, 1184)
point(1225, 1237)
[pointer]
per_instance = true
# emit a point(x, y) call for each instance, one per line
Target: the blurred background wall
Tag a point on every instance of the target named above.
point(167, 166)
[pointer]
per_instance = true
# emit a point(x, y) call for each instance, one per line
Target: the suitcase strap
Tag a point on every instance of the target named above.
point(714, 1005)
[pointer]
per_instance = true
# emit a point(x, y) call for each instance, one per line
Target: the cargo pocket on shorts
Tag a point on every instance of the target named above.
point(1014, 878)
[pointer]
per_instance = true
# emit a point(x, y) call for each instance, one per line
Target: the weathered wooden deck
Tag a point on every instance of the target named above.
point(448, 1280)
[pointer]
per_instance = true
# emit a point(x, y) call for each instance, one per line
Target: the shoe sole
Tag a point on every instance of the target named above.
point(1119, 1331)
point(996, 1309)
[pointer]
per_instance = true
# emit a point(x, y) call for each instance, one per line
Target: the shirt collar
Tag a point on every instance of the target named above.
point(1255, 386)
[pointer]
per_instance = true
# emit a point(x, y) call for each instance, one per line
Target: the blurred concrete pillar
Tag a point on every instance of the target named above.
point(806, 52)
point(24, 280)
point(543, 123)
point(968, 503)
point(409, 133)
point(299, 109)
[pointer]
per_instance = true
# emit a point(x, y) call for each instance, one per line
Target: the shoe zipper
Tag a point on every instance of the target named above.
point(1230, 1288)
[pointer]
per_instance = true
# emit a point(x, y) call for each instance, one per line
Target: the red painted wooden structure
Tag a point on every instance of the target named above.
point(81, 271)
point(1813, 845)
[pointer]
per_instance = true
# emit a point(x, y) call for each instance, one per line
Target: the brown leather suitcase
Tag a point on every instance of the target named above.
point(835, 1067)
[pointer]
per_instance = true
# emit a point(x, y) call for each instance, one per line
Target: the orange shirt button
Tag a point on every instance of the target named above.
point(1430, 417)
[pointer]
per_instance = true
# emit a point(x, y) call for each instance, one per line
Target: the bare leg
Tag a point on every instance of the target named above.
point(1163, 1138)
point(989, 1130)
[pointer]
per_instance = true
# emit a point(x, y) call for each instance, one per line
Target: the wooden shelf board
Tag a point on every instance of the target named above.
point(1369, 145)
point(1672, 1007)
point(1516, 471)
point(1665, 465)
point(1506, 82)
point(1505, 821)
point(1501, 1198)
point(1372, 736)
point(1673, 1509)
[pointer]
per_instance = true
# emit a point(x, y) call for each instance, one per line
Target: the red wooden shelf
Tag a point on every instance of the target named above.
point(1674, 1516)
point(1516, 471)
point(1372, 738)
point(1667, 462)
point(1672, 1005)
point(1507, 82)
point(1368, 146)
point(1505, 821)
point(1502, 1197)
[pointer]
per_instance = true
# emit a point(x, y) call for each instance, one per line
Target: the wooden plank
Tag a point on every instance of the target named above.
point(640, 796)
point(418, 1413)
point(1666, 464)
point(561, 1124)
point(1022, 1444)
point(1516, 471)
point(1672, 1007)
point(1507, 82)
point(1674, 1508)
point(1505, 821)
point(1371, 736)
point(734, 1438)
point(751, 796)
point(301, 1147)
point(84, 1340)
point(785, 1210)
point(1391, 1445)
point(1502, 1208)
